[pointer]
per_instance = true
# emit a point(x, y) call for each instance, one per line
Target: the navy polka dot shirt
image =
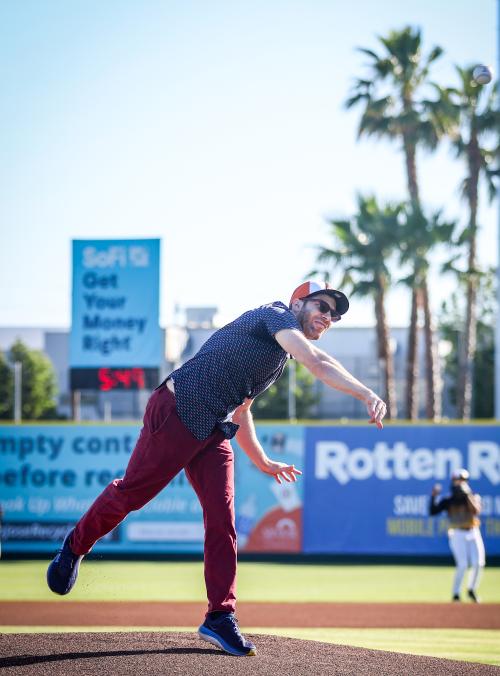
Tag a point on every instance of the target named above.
point(238, 361)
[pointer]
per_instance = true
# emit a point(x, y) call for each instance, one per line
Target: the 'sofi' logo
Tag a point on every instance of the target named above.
point(116, 256)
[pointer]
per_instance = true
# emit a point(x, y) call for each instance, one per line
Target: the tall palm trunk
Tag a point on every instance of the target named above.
point(433, 380)
point(411, 358)
point(467, 353)
point(384, 352)
point(411, 171)
point(468, 345)
point(412, 352)
point(431, 370)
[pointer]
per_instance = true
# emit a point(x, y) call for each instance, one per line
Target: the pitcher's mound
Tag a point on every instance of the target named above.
point(183, 654)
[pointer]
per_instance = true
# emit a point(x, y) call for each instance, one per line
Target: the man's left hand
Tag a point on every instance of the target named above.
point(280, 471)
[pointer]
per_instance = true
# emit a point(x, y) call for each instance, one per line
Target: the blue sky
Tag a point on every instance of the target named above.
point(217, 126)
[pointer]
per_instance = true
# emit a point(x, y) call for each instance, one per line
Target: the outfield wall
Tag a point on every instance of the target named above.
point(363, 491)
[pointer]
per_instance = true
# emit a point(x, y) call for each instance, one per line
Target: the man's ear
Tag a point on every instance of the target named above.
point(297, 304)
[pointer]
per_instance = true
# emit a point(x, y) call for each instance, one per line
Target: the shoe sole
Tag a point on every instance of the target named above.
point(215, 640)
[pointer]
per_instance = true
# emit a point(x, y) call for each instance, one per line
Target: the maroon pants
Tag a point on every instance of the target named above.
point(165, 446)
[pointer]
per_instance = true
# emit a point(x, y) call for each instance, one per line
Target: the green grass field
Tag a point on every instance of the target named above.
point(183, 581)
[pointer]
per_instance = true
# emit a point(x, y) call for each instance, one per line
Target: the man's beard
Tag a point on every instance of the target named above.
point(304, 319)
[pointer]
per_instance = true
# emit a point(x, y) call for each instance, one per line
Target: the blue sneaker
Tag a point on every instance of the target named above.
point(63, 570)
point(223, 631)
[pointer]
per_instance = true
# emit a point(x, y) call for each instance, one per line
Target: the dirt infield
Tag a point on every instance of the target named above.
point(161, 614)
point(184, 654)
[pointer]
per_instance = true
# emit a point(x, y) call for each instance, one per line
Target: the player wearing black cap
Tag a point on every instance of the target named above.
point(464, 536)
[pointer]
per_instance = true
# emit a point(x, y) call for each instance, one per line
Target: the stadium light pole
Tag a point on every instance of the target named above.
point(18, 384)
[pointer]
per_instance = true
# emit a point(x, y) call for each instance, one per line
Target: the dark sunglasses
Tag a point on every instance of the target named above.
point(325, 309)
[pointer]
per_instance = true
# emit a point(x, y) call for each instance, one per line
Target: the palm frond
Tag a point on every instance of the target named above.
point(488, 121)
point(491, 178)
point(368, 52)
point(383, 68)
point(384, 127)
point(409, 280)
point(449, 266)
point(328, 256)
point(341, 224)
point(464, 236)
point(354, 100)
point(364, 288)
point(434, 54)
point(428, 135)
point(459, 145)
point(464, 187)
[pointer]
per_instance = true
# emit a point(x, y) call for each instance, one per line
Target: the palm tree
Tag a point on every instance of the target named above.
point(418, 236)
point(393, 110)
point(475, 139)
point(362, 247)
point(451, 320)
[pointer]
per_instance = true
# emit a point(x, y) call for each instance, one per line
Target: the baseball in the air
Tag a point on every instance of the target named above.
point(482, 74)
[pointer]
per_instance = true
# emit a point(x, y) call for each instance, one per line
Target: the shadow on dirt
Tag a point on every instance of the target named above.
point(39, 659)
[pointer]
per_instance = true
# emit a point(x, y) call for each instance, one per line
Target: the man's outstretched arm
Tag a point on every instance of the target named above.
point(331, 372)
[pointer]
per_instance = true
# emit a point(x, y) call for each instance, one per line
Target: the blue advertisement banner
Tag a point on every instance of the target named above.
point(363, 491)
point(51, 474)
point(367, 491)
point(115, 304)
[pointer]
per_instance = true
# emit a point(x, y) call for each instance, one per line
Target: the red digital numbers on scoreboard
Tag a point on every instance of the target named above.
point(112, 379)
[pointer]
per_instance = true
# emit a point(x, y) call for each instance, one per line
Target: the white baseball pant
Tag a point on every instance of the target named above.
point(468, 551)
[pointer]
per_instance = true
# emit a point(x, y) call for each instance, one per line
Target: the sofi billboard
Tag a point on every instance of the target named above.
point(367, 491)
point(115, 304)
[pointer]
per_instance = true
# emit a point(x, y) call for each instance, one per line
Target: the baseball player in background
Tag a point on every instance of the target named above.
point(465, 539)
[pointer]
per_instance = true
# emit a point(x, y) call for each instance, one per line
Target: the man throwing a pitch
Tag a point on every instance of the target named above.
point(188, 423)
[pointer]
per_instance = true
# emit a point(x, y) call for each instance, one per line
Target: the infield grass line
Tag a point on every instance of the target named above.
point(271, 582)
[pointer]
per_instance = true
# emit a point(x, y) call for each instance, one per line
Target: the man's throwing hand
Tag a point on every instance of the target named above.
point(376, 410)
point(280, 471)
